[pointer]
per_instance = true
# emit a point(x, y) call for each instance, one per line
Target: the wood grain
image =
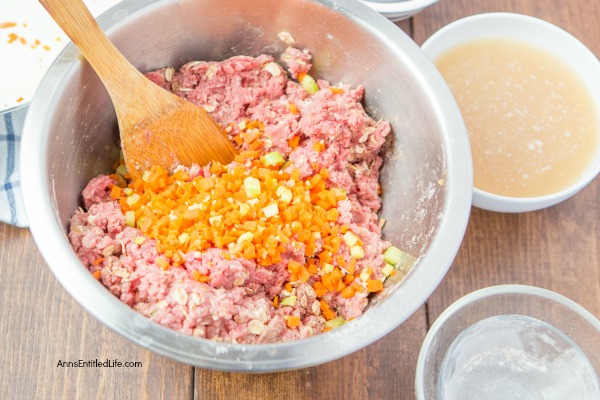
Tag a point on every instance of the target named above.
point(42, 325)
point(362, 375)
point(557, 248)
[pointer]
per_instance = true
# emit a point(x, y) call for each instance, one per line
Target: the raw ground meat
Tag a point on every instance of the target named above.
point(236, 304)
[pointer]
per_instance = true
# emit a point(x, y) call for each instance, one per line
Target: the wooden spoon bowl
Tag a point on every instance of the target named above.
point(156, 126)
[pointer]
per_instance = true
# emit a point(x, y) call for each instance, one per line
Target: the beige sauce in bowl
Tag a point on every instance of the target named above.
point(532, 123)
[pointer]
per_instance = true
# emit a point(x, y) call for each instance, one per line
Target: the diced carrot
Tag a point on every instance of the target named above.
point(348, 279)
point(98, 260)
point(250, 137)
point(328, 314)
point(319, 146)
point(348, 292)
point(294, 266)
point(238, 139)
point(197, 276)
point(304, 275)
point(293, 142)
point(351, 265)
point(97, 274)
point(293, 321)
point(115, 192)
point(320, 289)
point(374, 285)
point(326, 281)
point(218, 209)
point(293, 108)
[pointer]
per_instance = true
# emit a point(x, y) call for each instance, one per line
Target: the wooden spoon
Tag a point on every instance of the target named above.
point(156, 126)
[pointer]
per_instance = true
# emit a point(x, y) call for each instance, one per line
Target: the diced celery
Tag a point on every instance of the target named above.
point(183, 237)
point(146, 176)
point(122, 170)
point(134, 198)
point(130, 218)
point(309, 84)
point(365, 275)
point(387, 269)
point(245, 237)
point(350, 238)
point(392, 255)
point(289, 301)
point(357, 252)
point(271, 210)
point(327, 268)
point(336, 322)
point(285, 194)
point(139, 240)
point(252, 187)
point(244, 209)
point(272, 158)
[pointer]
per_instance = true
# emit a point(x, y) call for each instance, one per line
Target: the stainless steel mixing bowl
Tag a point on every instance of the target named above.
point(69, 137)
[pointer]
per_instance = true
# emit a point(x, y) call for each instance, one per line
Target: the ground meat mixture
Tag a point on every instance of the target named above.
point(214, 293)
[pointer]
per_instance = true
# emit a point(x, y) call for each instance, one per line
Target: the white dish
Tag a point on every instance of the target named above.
point(29, 47)
point(544, 36)
point(399, 10)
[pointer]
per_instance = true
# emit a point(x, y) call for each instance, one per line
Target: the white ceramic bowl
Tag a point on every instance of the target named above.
point(399, 10)
point(547, 37)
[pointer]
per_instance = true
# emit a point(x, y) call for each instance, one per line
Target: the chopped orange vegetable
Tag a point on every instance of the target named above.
point(197, 276)
point(320, 289)
point(374, 285)
point(98, 260)
point(336, 90)
point(250, 209)
point(293, 142)
point(293, 321)
point(348, 292)
point(319, 146)
point(329, 314)
point(97, 274)
point(293, 109)
point(115, 192)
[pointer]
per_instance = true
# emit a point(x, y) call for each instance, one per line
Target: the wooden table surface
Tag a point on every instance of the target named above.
point(557, 248)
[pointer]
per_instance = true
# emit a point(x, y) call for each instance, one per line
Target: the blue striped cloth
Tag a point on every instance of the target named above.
point(11, 202)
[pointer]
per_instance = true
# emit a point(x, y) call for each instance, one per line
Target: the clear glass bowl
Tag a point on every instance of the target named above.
point(510, 339)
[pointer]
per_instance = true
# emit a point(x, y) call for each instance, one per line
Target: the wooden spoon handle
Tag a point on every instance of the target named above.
point(78, 23)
